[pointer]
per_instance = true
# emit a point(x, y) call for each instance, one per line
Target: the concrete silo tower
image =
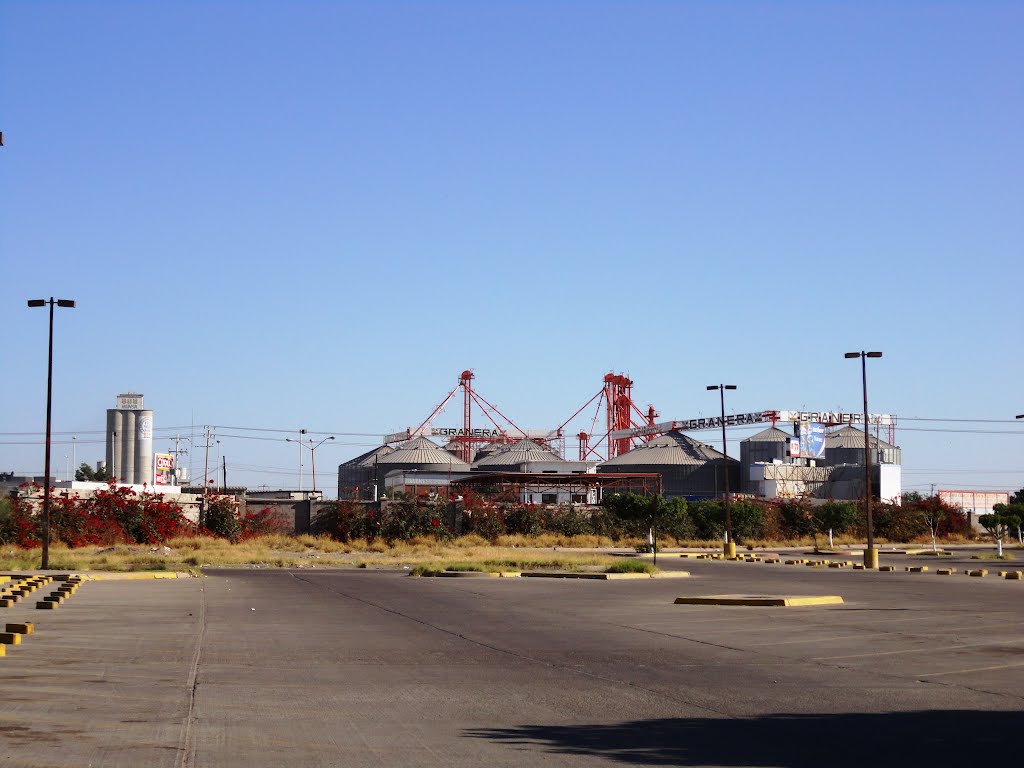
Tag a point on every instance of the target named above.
point(130, 441)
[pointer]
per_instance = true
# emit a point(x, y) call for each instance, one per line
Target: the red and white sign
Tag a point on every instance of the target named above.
point(164, 465)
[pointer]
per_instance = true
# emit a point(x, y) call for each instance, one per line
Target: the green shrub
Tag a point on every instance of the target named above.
point(631, 566)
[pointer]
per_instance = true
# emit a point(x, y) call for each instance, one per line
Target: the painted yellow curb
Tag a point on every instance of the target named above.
point(3, 650)
point(10, 638)
point(22, 629)
point(981, 573)
point(118, 575)
point(45, 604)
point(887, 568)
point(1015, 575)
point(945, 571)
point(917, 568)
point(760, 600)
point(594, 576)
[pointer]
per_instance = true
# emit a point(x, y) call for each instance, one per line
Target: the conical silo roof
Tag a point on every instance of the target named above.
point(770, 435)
point(671, 448)
point(422, 452)
point(373, 457)
point(490, 448)
point(520, 453)
point(851, 437)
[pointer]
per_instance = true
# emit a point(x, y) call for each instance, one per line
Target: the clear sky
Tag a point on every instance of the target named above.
point(285, 215)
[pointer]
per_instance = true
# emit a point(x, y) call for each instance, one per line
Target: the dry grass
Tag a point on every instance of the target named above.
point(508, 553)
point(299, 552)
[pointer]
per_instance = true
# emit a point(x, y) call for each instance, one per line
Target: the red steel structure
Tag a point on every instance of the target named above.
point(507, 431)
point(615, 397)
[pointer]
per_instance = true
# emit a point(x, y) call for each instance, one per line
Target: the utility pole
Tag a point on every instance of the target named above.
point(207, 437)
point(178, 452)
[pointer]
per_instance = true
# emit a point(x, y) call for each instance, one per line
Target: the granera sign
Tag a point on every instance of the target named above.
point(461, 432)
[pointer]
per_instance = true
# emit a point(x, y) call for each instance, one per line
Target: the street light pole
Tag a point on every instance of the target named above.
point(49, 411)
point(870, 554)
point(312, 454)
point(730, 542)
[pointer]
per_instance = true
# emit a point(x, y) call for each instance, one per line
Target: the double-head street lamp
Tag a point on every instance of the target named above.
point(312, 456)
point(49, 410)
point(730, 544)
point(870, 554)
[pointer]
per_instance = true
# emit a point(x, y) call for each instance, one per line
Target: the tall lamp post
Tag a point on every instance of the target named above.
point(312, 453)
point(870, 554)
point(730, 543)
point(49, 410)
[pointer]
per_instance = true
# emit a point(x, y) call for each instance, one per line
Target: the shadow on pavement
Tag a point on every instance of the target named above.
point(930, 738)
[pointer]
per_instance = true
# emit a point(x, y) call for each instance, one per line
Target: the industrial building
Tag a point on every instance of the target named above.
point(688, 467)
point(821, 454)
point(777, 464)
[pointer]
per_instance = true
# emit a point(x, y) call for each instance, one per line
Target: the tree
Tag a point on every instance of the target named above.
point(1012, 511)
point(940, 517)
point(86, 473)
point(998, 525)
point(834, 517)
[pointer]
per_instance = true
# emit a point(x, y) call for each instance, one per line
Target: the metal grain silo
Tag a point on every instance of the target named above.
point(515, 456)
point(770, 446)
point(356, 477)
point(687, 467)
point(846, 446)
point(422, 455)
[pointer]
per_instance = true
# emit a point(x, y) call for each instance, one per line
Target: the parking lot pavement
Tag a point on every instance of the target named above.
point(363, 668)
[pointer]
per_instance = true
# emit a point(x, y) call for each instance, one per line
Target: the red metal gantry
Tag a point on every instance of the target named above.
point(615, 395)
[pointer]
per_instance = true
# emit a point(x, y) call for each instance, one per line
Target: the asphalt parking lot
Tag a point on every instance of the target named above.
point(365, 668)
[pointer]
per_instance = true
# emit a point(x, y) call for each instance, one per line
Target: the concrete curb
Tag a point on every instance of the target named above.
point(780, 601)
point(126, 575)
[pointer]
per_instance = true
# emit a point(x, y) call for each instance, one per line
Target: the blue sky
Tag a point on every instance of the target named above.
point(317, 214)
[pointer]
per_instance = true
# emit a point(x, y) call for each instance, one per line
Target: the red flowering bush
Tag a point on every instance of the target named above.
point(112, 515)
point(262, 523)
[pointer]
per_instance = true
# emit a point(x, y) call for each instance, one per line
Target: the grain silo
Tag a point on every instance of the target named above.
point(358, 477)
point(846, 446)
point(687, 467)
point(130, 441)
point(422, 455)
point(517, 456)
point(769, 446)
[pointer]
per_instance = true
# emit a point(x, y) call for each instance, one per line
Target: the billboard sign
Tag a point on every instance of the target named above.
point(812, 439)
point(164, 468)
